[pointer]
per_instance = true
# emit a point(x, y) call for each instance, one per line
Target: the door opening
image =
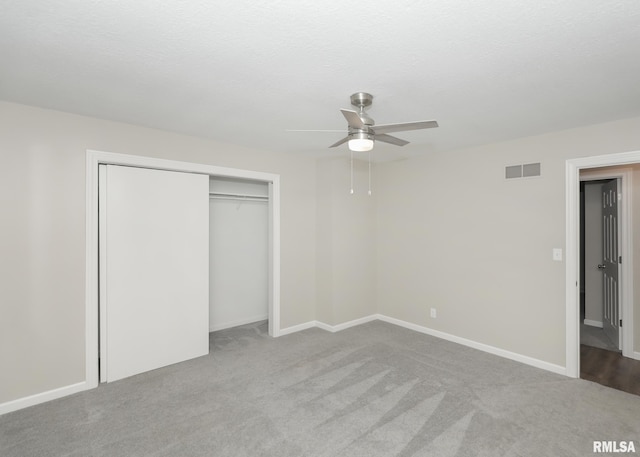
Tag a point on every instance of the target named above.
point(238, 252)
point(604, 167)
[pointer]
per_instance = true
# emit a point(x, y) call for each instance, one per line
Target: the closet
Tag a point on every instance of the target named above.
point(180, 254)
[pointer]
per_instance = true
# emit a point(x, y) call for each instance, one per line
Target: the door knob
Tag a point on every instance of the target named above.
point(601, 267)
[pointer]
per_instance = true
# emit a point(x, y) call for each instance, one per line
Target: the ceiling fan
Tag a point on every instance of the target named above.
point(362, 131)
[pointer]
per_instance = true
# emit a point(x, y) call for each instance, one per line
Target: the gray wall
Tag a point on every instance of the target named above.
point(346, 242)
point(455, 235)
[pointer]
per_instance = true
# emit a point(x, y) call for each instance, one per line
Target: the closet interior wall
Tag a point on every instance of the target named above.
point(239, 252)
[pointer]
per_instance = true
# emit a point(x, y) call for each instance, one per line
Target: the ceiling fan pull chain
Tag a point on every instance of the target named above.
point(369, 173)
point(351, 173)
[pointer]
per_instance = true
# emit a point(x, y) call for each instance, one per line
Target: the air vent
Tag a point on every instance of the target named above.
point(530, 169)
point(514, 171)
point(527, 170)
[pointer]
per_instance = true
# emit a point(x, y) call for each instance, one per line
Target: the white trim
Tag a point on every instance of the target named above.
point(298, 328)
point(102, 275)
point(353, 323)
point(572, 181)
point(91, 274)
point(249, 320)
point(325, 327)
point(591, 323)
point(25, 402)
point(475, 345)
point(346, 325)
point(636, 355)
point(274, 255)
point(572, 250)
point(93, 159)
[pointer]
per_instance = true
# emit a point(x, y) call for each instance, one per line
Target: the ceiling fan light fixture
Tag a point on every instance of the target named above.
point(360, 142)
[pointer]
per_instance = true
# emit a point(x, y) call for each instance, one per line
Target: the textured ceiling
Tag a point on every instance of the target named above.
point(246, 71)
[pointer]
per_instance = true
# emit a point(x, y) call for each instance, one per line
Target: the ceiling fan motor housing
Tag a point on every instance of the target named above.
point(360, 134)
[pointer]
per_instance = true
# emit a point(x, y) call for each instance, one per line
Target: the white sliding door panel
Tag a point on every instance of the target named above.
point(154, 278)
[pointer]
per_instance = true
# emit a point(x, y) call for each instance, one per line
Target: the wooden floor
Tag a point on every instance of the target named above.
point(610, 369)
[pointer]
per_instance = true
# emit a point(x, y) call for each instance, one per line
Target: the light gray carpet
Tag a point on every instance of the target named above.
point(372, 390)
point(595, 337)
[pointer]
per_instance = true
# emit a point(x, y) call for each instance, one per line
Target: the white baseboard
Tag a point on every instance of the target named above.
point(636, 355)
point(327, 327)
point(346, 325)
point(43, 397)
point(475, 345)
point(249, 320)
point(323, 326)
point(297, 328)
point(593, 323)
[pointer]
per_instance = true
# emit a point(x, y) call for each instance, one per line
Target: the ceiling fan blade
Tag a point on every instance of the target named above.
point(338, 143)
point(388, 128)
point(390, 139)
point(353, 119)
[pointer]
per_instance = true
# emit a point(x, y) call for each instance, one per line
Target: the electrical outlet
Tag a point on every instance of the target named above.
point(433, 313)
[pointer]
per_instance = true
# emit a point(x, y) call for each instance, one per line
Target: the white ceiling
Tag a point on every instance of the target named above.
point(246, 71)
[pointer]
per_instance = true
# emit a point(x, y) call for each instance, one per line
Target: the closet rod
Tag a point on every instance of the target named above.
point(225, 196)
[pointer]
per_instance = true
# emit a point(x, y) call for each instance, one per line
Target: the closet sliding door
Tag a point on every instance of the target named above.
point(154, 269)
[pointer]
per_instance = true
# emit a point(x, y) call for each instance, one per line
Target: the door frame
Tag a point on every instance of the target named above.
point(572, 285)
point(95, 158)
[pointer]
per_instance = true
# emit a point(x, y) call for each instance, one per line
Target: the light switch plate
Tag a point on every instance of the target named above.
point(557, 254)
